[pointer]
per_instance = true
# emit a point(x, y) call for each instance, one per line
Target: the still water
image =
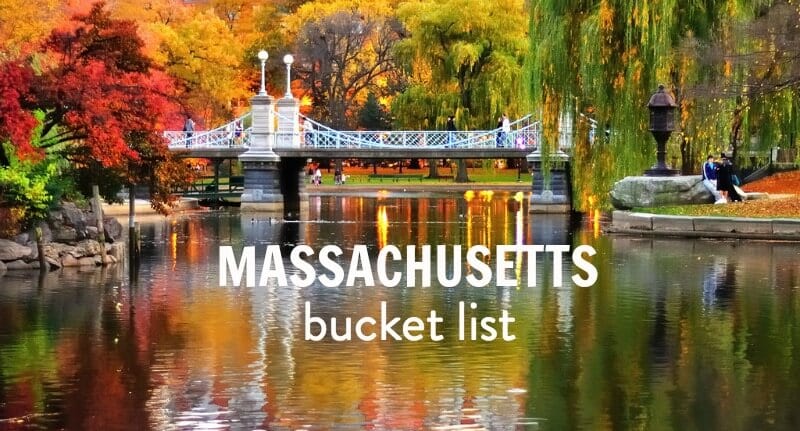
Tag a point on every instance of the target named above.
point(675, 334)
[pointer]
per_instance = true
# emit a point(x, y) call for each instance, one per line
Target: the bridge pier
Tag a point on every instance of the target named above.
point(262, 182)
point(293, 186)
point(555, 195)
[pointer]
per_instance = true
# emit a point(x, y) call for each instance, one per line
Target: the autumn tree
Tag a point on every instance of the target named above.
point(463, 57)
point(24, 24)
point(604, 58)
point(345, 51)
point(750, 75)
point(205, 58)
point(103, 104)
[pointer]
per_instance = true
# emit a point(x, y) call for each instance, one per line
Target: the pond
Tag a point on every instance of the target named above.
point(674, 334)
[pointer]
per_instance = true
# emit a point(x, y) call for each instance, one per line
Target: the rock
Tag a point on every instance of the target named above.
point(22, 238)
point(117, 250)
point(2, 268)
point(110, 259)
point(56, 249)
point(87, 247)
point(113, 229)
point(69, 260)
point(22, 265)
point(73, 216)
point(87, 261)
point(65, 234)
point(10, 250)
point(54, 263)
point(33, 255)
point(633, 192)
point(91, 232)
point(56, 217)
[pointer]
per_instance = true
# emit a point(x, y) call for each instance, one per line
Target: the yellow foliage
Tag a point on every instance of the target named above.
point(25, 23)
point(606, 14)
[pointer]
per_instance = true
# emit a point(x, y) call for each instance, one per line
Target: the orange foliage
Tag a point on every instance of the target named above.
point(780, 183)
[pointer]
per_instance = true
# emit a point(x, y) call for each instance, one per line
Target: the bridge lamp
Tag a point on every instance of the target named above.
point(263, 56)
point(288, 59)
point(662, 123)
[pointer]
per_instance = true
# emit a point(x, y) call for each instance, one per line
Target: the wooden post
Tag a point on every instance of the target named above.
point(98, 214)
point(131, 224)
point(43, 265)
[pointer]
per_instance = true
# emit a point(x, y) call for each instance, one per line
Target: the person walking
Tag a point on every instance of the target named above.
point(188, 129)
point(308, 133)
point(506, 129)
point(499, 140)
point(451, 130)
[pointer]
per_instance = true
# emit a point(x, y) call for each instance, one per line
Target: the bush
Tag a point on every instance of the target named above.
point(24, 197)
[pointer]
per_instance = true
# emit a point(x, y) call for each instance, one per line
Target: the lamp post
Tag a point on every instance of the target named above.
point(288, 60)
point(662, 123)
point(263, 56)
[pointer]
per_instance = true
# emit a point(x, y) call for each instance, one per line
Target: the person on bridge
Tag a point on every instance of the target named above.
point(506, 130)
point(308, 133)
point(451, 130)
point(188, 128)
point(237, 131)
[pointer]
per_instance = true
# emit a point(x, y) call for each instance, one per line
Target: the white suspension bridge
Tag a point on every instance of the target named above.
point(316, 139)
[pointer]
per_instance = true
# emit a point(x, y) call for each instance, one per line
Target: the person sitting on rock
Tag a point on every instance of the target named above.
point(710, 178)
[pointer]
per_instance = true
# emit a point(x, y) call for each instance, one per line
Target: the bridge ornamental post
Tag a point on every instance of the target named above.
point(262, 188)
point(288, 135)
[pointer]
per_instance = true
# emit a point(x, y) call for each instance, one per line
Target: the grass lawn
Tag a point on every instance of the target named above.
point(788, 207)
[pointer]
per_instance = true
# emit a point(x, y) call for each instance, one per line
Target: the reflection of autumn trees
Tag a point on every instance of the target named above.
point(671, 328)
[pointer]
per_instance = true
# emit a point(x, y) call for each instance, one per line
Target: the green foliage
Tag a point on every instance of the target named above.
point(23, 188)
point(373, 116)
point(463, 58)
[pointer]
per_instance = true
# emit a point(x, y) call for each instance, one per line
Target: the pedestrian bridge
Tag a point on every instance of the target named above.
point(320, 141)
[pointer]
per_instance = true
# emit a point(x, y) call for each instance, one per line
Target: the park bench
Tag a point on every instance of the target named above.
point(395, 177)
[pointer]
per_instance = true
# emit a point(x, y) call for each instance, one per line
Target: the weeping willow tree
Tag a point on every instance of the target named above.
point(463, 58)
point(602, 59)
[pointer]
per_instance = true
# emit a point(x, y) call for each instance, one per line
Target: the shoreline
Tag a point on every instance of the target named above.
point(659, 225)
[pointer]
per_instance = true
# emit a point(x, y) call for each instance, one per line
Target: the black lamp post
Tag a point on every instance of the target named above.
point(662, 123)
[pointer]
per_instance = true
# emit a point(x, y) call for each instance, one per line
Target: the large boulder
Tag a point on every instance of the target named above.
point(637, 192)
point(10, 250)
point(113, 229)
point(74, 218)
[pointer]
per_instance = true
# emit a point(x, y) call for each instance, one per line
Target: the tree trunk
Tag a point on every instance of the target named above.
point(735, 129)
point(686, 156)
point(461, 172)
point(433, 171)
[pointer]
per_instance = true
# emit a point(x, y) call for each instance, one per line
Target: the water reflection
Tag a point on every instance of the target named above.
point(675, 334)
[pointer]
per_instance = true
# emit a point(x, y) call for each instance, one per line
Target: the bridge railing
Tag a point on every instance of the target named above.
point(231, 135)
point(524, 134)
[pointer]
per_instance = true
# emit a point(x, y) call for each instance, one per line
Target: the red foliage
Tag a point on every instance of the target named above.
point(16, 123)
point(103, 92)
